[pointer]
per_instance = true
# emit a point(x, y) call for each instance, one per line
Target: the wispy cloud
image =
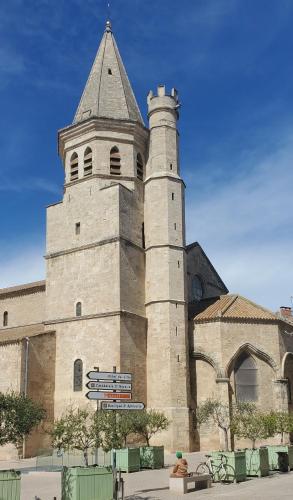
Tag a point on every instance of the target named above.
point(245, 224)
point(29, 184)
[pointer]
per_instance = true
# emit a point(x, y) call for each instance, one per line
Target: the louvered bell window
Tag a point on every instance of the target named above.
point(246, 378)
point(139, 167)
point(74, 167)
point(115, 161)
point(88, 162)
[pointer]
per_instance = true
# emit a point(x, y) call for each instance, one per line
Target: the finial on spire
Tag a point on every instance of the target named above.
point(108, 26)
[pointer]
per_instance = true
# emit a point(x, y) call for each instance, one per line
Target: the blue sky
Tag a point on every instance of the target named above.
point(231, 61)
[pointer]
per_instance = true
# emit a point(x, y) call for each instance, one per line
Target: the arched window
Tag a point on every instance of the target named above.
point(139, 167)
point(196, 289)
point(78, 309)
point(115, 161)
point(88, 162)
point(77, 375)
point(245, 372)
point(74, 167)
point(5, 318)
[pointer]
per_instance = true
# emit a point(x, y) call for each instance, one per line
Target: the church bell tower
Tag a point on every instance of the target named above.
point(166, 306)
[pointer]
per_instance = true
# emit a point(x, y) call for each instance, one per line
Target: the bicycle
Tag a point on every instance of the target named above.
point(222, 472)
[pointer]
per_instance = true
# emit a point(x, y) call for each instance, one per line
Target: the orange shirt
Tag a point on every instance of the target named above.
point(181, 468)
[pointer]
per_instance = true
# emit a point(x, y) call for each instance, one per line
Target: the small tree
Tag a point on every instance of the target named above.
point(110, 426)
point(221, 414)
point(19, 415)
point(148, 423)
point(281, 423)
point(253, 426)
point(78, 429)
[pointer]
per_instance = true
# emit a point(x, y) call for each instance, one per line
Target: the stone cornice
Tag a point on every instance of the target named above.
point(120, 312)
point(164, 175)
point(171, 301)
point(103, 176)
point(95, 244)
point(27, 289)
point(173, 247)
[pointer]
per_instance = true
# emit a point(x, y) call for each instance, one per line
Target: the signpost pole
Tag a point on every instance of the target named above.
point(114, 451)
point(97, 410)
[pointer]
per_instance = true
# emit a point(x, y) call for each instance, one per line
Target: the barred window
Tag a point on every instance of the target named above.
point(88, 162)
point(74, 167)
point(245, 378)
point(77, 375)
point(115, 161)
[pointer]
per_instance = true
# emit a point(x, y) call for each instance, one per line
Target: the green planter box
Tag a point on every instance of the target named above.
point(10, 485)
point(273, 455)
point(257, 462)
point(87, 483)
point(127, 459)
point(151, 457)
point(236, 463)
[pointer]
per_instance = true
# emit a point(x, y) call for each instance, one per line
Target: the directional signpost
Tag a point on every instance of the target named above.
point(109, 376)
point(108, 395)
point(122, 406)
point(109, 386)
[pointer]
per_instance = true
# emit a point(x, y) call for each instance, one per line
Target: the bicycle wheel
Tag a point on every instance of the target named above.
point(226, 473)
point(202, 468)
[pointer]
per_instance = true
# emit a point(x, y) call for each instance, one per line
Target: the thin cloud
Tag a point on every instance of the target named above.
point(246, 226)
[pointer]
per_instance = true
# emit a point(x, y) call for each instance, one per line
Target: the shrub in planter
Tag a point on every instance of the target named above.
point(10, 484)
point(86, 483)
point(152, 457)
point(236, 464)
point(257, 462)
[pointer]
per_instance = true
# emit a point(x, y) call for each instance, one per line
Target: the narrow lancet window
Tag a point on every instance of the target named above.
point(115, 161)
point(88, 162)
point(5, 318)
point(77, 375)
point(74, 167)
point(139, 167)
point(78, 309)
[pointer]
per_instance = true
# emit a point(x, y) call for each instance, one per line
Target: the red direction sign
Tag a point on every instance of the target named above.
point(97, 395)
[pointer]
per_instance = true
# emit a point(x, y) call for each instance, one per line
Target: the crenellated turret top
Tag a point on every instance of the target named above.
point(108, 92)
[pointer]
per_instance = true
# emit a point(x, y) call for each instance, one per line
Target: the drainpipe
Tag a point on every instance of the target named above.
point(25, 381)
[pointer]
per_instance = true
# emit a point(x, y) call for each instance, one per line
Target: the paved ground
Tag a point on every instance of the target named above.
point(153, 485)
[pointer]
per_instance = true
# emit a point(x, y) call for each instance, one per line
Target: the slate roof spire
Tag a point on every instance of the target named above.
point(108, 92)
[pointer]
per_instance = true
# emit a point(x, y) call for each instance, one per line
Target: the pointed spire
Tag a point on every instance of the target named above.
point(108, 92)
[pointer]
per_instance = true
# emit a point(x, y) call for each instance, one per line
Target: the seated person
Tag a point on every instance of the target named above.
point(180, 469)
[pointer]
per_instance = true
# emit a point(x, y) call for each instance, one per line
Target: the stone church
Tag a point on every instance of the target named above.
point(122, 287)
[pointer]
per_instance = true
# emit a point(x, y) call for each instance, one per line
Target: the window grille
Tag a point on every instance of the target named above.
point(88, 162)
point(139, 167)
point(74, 167)
point(115, 161)
point(77, 375)
point(245, 378)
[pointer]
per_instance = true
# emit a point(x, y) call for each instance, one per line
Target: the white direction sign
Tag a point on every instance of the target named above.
point(127, 377)
point(122, 406)
point(109, 386)
point(108, 395)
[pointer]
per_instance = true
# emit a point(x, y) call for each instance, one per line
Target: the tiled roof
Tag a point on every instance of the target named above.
point(231, 307)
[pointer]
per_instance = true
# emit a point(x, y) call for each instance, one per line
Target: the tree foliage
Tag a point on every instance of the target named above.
point(150, 422)
point(77, 429)
point(18, 417)
point(222, 414)
point(281, 423)
point(253, 426)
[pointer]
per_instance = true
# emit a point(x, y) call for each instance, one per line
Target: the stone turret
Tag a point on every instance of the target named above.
point(166, 308)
